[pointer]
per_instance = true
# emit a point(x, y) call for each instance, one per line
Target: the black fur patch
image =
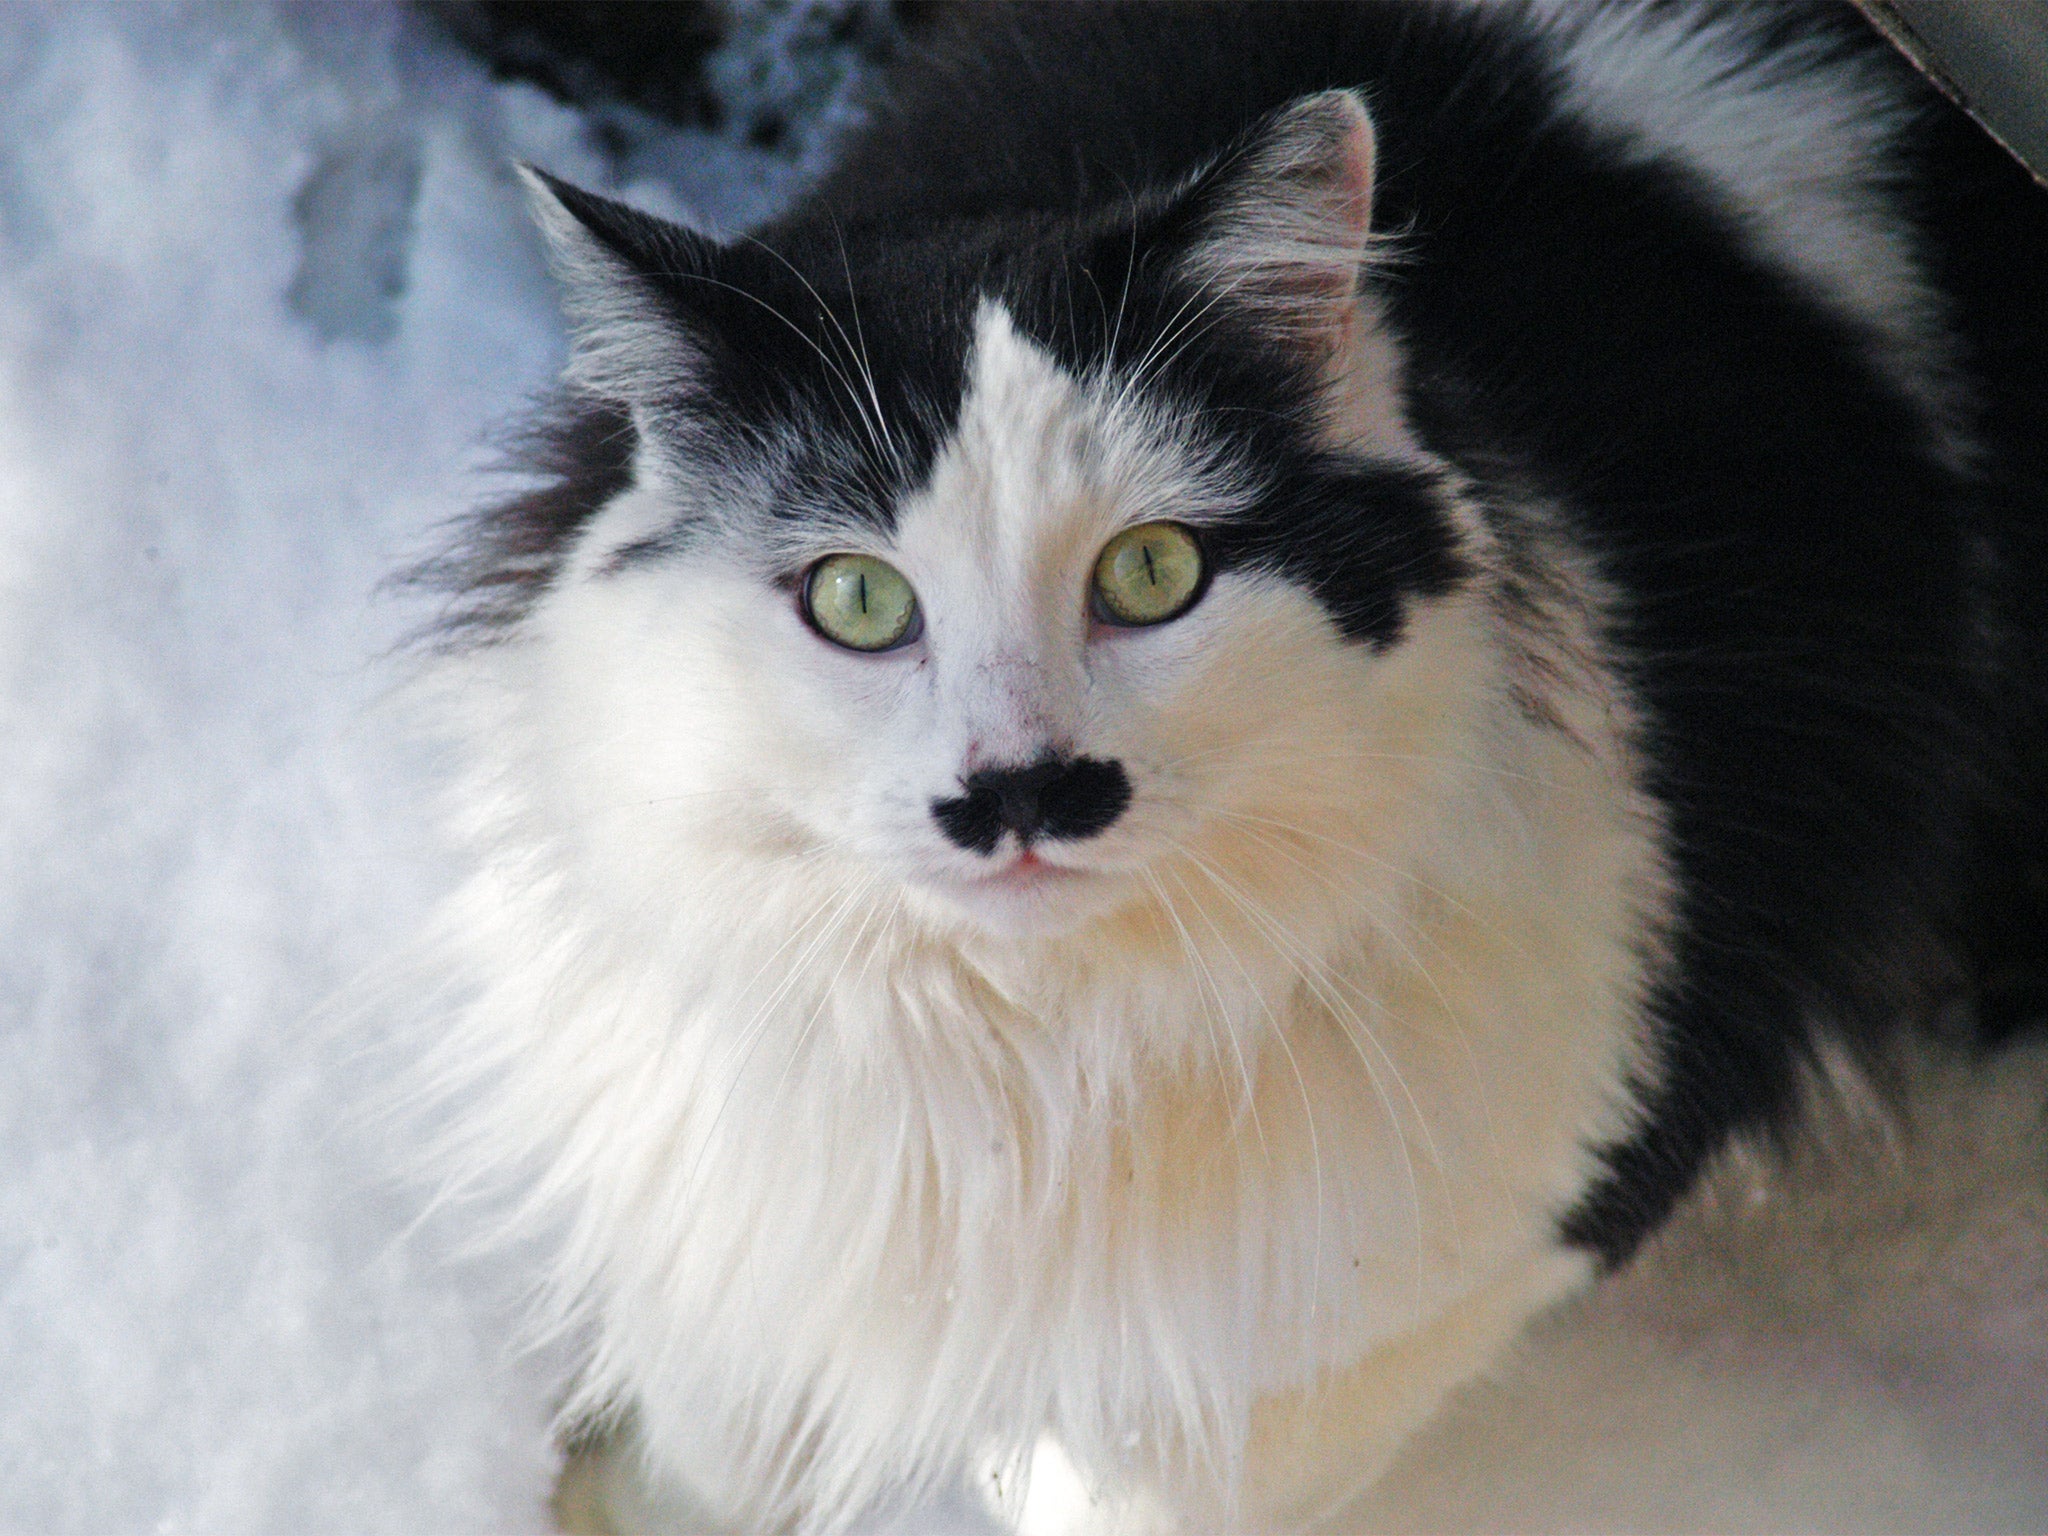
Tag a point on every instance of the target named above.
point(579, 455)
point(1803, 595)
point(834, 361)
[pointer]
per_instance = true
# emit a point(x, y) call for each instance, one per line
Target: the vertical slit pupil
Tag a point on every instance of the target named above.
point(863, 591)
point(1150, 575)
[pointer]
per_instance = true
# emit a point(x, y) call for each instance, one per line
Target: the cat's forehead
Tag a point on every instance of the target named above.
point(998, 391)
point(862, 358)
point(1043, 454)
point(1006, 400)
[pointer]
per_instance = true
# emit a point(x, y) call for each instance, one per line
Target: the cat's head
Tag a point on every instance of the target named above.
point(1029, 571)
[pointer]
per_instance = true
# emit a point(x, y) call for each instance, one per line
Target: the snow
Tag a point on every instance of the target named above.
point(266, 286)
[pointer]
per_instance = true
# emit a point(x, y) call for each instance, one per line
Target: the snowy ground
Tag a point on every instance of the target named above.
point(265, 284)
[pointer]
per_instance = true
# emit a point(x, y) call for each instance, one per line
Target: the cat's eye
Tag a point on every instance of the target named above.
point(1148, 574)
point(861, 603)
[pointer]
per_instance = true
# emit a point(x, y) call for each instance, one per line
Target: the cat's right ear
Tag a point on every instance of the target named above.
point(1285, 220)
point(618, 269)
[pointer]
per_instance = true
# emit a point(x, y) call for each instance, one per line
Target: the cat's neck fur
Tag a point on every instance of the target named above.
point(1156, 1180)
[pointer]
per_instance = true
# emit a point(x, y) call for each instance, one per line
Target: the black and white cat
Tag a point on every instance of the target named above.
point(1188, 746)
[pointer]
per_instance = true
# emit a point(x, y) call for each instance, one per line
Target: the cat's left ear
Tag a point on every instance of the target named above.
point(633, 341)
point(1283, 222)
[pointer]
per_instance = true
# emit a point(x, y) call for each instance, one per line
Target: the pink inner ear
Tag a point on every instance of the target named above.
point(1352, 167)
point(1293, 217)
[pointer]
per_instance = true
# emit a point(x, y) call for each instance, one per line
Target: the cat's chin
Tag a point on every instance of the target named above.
point(1023, 897)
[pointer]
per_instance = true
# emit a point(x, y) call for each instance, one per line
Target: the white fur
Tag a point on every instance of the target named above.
point(1805, 154)
point(1219, 1157)
point(1844, 1336)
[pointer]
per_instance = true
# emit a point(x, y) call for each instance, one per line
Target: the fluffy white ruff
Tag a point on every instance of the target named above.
point(1851, 1337)
point(1222, 1182)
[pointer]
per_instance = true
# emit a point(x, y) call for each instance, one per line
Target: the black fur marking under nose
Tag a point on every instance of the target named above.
point(1055, 797)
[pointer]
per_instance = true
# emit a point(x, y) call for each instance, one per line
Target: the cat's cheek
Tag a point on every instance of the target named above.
point(1299, 766)
point(863, 779)
point(638, 760)
point(1195, 695)
point(631, 523)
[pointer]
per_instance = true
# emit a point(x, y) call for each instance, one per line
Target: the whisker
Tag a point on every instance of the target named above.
point(757, 1027)
point(1459, 1032)
point(866, 366)
point(1325, 984)
point(1373, 859)
point(877, 429)
point(1229, 1030)
point(845, 380)
point(1254, 751)
point(1130, 266)
point(1188, 334)
point(825, 994)
point(1301, 1087)
point(1210, 1021)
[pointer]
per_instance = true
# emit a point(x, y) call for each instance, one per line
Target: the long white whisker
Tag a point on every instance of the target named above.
point(845, 379)
point(1187, 333)
point(866, 366)
point(1130, 265)
point(757, 1027)
point(795, 972)
point(1300, 1083)
point(1371, 858)
point(877, 429)
point(1229, 1030)
point(1210, 1019)
point(1251, 751)
point(1325, 984)
point(825, 993)
point(1177, 329)
point(1384, 926)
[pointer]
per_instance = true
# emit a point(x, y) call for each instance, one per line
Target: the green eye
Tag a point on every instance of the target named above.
point(1148, 574)
point(861, 603)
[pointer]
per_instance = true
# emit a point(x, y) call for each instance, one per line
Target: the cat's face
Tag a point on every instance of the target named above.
point(1021, 585)
point(1021, 755)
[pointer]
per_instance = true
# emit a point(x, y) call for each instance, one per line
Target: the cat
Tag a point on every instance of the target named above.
point(1187, 746)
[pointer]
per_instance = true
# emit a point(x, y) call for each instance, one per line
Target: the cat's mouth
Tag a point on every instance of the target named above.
point(1028, 870)
point(1022, 893)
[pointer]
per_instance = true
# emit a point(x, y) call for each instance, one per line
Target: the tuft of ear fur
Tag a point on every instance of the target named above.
point(1288, 218)
point(615, 265)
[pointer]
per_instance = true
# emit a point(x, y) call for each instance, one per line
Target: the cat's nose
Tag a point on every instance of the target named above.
point(1055, 797)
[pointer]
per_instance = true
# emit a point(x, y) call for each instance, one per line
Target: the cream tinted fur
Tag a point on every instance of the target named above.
point(1848, 1337)
point(1220, 1168)
point(1844, 1336)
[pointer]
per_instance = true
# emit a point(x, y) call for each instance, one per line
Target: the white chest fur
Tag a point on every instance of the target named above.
point(848, 1199)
